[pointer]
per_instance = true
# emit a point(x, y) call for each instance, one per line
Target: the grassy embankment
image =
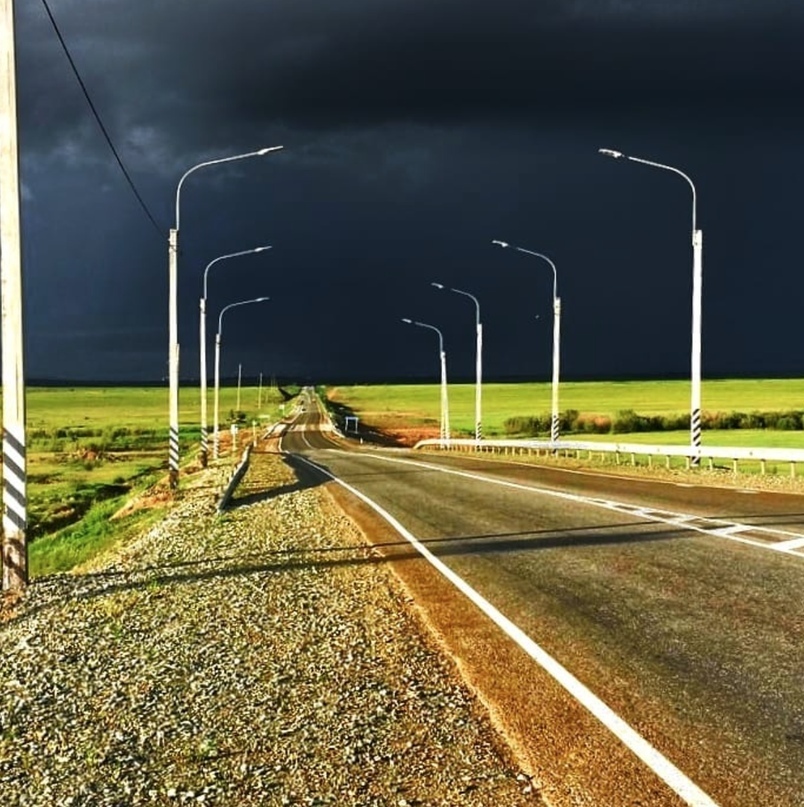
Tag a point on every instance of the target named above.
point(391, 407)
point(89, 449)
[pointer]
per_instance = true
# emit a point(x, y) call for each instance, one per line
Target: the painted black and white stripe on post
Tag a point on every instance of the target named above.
point(554, 429)
point(695, 433)
point(478, 431)
point(204, 442)
point(173, 450)
point(15, 501)
point(696, 428)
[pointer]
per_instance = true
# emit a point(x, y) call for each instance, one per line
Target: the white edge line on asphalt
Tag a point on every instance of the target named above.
point(655, 760)
point(663, 517)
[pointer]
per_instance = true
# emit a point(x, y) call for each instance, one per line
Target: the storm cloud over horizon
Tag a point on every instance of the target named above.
point(415, 133)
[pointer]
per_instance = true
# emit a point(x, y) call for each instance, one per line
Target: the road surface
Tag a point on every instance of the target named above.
point(679, 607)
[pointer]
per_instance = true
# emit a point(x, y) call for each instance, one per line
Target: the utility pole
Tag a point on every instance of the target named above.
point(259, 395)
point(15, 548)
point(239, 378)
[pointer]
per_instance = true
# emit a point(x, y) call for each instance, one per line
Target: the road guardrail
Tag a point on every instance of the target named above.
point(734, 454)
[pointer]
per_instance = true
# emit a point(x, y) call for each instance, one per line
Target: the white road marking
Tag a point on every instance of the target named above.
point(654, 759)
point(795, 543)
point(725, 532)
point(719, 528)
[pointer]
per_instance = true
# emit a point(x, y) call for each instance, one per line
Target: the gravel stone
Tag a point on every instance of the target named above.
point(265, 656)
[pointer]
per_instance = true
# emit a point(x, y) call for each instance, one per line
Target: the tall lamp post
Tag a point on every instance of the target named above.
point(697, 282)
point(478, 359)
point(15, 487)
point(202, 329)
point(173, 316)
point(215, 436)
point(444, 429)
point(554, 431)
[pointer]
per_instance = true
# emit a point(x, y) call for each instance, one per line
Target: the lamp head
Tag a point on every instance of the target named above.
point(261, 299)
point(262, 249)
point(408, 321)
point(501, 243)
point(611, 153)
point(437, 285)
point(270, 148)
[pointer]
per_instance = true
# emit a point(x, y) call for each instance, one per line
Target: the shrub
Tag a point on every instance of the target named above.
point(529, 425)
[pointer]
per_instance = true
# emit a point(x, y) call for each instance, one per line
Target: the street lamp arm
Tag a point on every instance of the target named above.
point(430, 327)
point(465, 294)
point(552, 266)
point(231, 255)
point(234, 305)
point(471, 297)
point(675, 171)
point(187, 173)
point(505, 245)
point(617, 155)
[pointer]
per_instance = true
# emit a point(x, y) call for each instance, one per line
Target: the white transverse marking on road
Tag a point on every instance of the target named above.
point(720, 528)
point(655, 760)
point(784, 546)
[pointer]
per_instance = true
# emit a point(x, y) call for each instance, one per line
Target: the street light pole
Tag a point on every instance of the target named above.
point(173, 317)
point(478, 360)
point(202, 328)
point(14, 541)
point(215, 435)
point(554, 418)
point(697, 284)
point(444, 429)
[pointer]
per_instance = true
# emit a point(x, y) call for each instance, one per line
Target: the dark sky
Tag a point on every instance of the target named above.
point(415, 132)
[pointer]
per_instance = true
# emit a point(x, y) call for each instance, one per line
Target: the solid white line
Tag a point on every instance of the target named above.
point(656, 761)
point(662, 517)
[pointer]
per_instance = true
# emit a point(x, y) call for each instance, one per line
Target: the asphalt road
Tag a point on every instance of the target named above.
point(673, 604)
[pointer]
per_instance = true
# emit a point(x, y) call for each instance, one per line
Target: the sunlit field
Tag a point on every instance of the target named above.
point(419, 404)
point(89, 448)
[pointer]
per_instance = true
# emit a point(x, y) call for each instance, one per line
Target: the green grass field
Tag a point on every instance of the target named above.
point(90, 448)
point(419, 403)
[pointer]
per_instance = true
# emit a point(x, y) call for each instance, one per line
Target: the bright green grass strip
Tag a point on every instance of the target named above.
point(419, 403)
point(749, 438)
point(79, 543)
point(100, 408)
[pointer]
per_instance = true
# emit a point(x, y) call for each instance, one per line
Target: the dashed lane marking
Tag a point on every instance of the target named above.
point(776, 540)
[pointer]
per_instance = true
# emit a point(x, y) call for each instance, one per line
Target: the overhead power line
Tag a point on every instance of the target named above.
point(103, 129)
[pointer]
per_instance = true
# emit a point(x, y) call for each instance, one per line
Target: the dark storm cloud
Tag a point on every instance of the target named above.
point(415, 131)
point(303, 63)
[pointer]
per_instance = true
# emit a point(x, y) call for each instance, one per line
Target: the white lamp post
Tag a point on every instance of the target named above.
point(478, 360)
point(444, 429)
point(215, 436)
point(173, 317)
point(15, 486)
point(554, 431)
point(697, 282)
point(202, 328)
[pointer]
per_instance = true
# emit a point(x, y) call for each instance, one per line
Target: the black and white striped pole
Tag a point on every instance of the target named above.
point(554, 417)
point(697, 284)
point(202, 336)
point(15, 519)
point(173, 323)
point(478, 361)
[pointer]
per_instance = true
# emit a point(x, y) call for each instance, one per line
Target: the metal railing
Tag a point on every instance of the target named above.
point(734, 454)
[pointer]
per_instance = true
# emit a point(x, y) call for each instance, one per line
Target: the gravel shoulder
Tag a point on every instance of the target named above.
point(265, 656)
